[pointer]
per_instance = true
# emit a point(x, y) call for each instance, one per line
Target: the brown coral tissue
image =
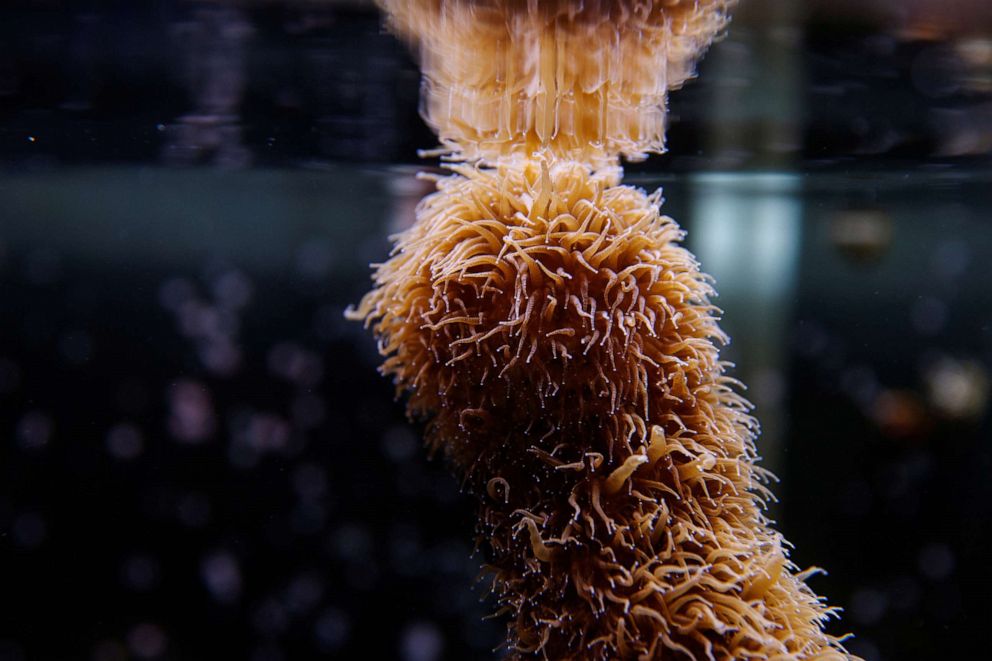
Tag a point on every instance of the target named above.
point(560, 346)
point(585, 79)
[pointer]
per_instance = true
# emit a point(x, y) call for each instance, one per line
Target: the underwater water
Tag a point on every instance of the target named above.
point(197, 457)
point(201, 458)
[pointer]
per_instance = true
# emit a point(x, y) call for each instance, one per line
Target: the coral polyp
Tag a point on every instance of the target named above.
point(561, 347)
point(540, 298)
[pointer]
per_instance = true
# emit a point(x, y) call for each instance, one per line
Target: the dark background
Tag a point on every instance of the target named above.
point(198, 459)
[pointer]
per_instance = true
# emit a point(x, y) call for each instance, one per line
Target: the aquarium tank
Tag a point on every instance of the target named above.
point(495, 329)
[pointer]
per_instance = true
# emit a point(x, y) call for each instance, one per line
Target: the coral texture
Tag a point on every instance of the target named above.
point(561, 347)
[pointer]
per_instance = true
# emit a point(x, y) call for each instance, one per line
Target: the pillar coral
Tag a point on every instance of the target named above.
point(561, 347)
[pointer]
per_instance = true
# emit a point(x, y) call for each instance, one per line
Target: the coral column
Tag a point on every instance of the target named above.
point(560, 344)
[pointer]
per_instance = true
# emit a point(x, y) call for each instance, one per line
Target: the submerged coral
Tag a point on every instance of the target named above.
point(563, 349)
point(561, 346)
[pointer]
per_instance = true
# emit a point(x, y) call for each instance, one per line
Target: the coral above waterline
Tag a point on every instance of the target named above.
point(580, 79)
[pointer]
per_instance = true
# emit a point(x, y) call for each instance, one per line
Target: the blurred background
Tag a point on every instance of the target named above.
point(197, 457)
